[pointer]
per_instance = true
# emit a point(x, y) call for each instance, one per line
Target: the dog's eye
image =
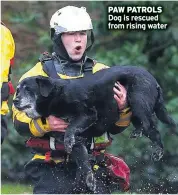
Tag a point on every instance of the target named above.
point(28, 91)
point(26, 88)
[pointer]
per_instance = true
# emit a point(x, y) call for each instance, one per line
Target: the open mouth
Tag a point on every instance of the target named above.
point(78, 48)
point(23, 107)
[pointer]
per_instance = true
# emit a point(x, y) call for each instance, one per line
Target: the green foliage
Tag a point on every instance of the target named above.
point(12, 188)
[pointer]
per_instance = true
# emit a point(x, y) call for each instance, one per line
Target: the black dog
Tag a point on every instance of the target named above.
point(88, 104)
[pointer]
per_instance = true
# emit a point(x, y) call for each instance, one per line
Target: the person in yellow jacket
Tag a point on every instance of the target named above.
point(7, 55)
point(72, 36)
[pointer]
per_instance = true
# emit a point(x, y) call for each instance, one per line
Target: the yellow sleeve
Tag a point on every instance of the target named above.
point(4, 108)
point(7, 52)
point(125, 117)
point(25, 125)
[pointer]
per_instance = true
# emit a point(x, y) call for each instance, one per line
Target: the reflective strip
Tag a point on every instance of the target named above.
point(62, 76)
point(38, 127)
point(42, 157)
point(52, 143)
point(106, 137)
point(92, 144)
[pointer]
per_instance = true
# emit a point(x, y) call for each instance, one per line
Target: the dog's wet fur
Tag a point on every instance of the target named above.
point(91, 110)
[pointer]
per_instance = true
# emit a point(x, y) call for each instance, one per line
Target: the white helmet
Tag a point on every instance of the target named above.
point(70, 19)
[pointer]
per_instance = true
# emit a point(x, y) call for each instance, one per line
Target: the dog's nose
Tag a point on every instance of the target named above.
point(16, 101)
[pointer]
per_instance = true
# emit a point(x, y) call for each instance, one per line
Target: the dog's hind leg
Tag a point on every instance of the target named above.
point(144, 123)
point(162, 113)
point(141, 114)
point(141, 123)
point(155, 137)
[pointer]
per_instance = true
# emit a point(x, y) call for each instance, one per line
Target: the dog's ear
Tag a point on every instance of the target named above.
point(45, 86)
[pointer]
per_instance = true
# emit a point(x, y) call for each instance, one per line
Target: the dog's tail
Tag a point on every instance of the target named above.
point(162, 113)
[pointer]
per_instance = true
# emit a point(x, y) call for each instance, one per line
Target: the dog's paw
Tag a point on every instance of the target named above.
point(136, 134)
point(69, 143)
point(158, 154)
point(90, 181)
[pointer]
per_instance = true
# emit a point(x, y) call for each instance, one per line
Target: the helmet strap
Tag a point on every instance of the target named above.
point(92, 41)
point(59, 48)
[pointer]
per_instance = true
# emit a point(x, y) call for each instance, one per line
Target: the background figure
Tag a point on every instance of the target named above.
point(7, 55)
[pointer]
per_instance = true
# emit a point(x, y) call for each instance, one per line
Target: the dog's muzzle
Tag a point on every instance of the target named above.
point(16, 103)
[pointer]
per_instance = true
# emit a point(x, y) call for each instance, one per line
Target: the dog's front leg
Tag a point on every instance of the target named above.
point(78, 126)
point(84, 172)
point(75, 127)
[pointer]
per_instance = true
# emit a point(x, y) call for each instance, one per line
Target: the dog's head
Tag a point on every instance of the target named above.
point(33, 90)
